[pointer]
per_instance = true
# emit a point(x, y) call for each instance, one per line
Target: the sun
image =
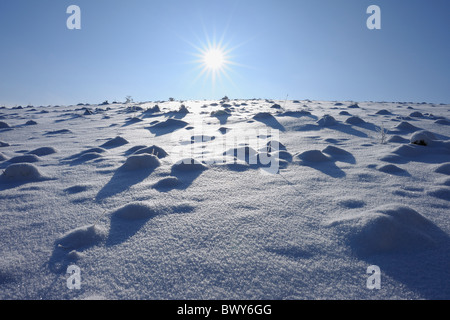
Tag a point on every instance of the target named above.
point(214, 59)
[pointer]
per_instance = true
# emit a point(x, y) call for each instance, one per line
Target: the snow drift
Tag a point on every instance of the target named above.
point(82, 237)
point(137, 211)
point(136, 162)
point(20, 172)
point(386, 229)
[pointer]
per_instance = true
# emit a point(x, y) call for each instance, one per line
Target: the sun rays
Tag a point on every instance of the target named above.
point(214, 61)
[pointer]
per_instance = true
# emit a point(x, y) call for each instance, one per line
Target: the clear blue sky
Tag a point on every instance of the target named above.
point(307, 49)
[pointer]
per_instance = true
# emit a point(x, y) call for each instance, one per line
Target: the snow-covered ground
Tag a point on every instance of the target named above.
point(319, 191)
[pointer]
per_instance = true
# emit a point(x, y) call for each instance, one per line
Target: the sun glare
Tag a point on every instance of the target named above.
point(214, 59)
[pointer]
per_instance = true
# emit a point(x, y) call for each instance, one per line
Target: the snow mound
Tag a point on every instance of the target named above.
point(397, 139)
point(136, 162)
point(170, 123)
point(155, 150)
point(416, 114)
point(2, 157)
point(89, 156)
point(91, 150)
point(76, 189)
point(284, 155)
point(409, 150)
point(167, 183)
point(44, 151)
point(62, 131)
point(29, 158)
point(406, 126)
point(355, 120)
point(446, 182)
point(351, 203)
point(136, 211)
point(387, 229)
point(82, 237)
point(153, 109)
point(393, 158)
point(74, 255)
point(313, 156)
point(245, 153)
point(31, 123)
point(168, 126)
point(219, 113)
point(295, 114)
point(21, 172)
point(332, 150)
point(441, 193)
point(116, 142)
point(344, 113)
point(383, 112)
point(392, 169)
point(4, 144)
point(4, 125)
point(326, 121)
point(443, 168)
point(187, 165)
point(133, 120)
point(134, 149)
point(262, 115)
point(423, 138)
point(183, 109)
point(443, 122)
